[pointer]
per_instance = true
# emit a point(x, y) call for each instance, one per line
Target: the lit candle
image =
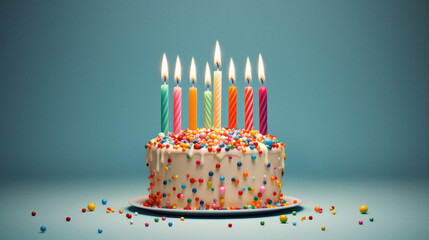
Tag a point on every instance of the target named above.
point(193, 98)
point(262, 98)
point(248, 97)
point(232, 117)
point(217, 90)
point(177, 124)
point(208, 109)
point(164, 96)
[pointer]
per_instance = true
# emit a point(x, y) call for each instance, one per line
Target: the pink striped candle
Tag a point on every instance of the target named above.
point(262, 98)
point(177, 124)
point(248, 95)
point(263, 109)
point(177, 106)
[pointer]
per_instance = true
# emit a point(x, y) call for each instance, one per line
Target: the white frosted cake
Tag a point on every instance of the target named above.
point(220, 169)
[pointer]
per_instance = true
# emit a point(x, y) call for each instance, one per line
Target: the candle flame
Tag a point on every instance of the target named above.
point(217, 58)
point(261, 70)
point(248, 72)
point(231, 71)
point(193, 72)
point(178, 70)
point(208, 80)
point(164, 68)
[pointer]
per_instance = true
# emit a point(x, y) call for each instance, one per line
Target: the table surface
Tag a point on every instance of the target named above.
point(398, 207)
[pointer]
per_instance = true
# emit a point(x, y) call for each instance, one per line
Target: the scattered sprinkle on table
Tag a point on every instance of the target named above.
point(363, 209)
point(283, 218)
point(91, 207)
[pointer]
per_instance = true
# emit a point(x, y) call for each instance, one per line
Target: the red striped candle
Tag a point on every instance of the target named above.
point(232, 107)
point(248, 98)
point(232, 123)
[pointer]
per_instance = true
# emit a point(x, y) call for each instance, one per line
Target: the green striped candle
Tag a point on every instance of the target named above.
point(164, 109)
point(208, 103)
point(208, 110)
point(164, 96)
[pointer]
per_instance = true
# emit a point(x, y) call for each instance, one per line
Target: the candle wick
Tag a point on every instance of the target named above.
point(165, 80)
point(193, 83)
point(177, 81)
point(232, 80)
point(217, 64)
point(262, 81)
point(248, 82)
point(208, 87)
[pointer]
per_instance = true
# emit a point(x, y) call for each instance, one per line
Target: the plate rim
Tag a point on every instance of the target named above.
point(212, 212)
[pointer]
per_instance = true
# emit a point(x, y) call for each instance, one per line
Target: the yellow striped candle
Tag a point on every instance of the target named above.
point(217, 90)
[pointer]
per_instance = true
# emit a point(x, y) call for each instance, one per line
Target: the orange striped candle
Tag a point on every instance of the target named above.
point(193, 98)
point(232, 117)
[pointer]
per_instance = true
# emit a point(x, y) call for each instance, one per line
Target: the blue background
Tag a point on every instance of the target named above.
point(347, 87)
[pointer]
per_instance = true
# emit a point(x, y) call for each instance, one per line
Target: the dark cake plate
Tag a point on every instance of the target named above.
point(138, 202)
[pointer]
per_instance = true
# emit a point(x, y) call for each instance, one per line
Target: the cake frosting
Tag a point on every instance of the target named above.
point(221, 169)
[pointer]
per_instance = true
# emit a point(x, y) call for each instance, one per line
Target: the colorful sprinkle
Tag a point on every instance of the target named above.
point(283, 218)
point(43, 228)
point(91, 207)
point(363, 209)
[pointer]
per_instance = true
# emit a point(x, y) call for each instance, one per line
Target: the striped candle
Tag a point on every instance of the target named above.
point(177, 122)
point(164, 109)
point(248, 97)
point(217, 90)
point(208, 109)
point(232, 93)
point(193, 97)
point(164, 96)
point(263, 109)
point(262, 98)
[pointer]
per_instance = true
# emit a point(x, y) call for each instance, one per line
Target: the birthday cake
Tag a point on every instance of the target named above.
point(215, 169)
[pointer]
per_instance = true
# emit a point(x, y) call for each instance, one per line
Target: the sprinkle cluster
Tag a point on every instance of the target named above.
point(215, 140)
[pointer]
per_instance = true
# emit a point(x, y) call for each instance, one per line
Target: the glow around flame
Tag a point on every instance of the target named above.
point(261, 70)
point(178, 70)
point(164, 68)
point(193, 72)
point(231, 71)
point(217, 57)
point(248, 71)
point(207, 80)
